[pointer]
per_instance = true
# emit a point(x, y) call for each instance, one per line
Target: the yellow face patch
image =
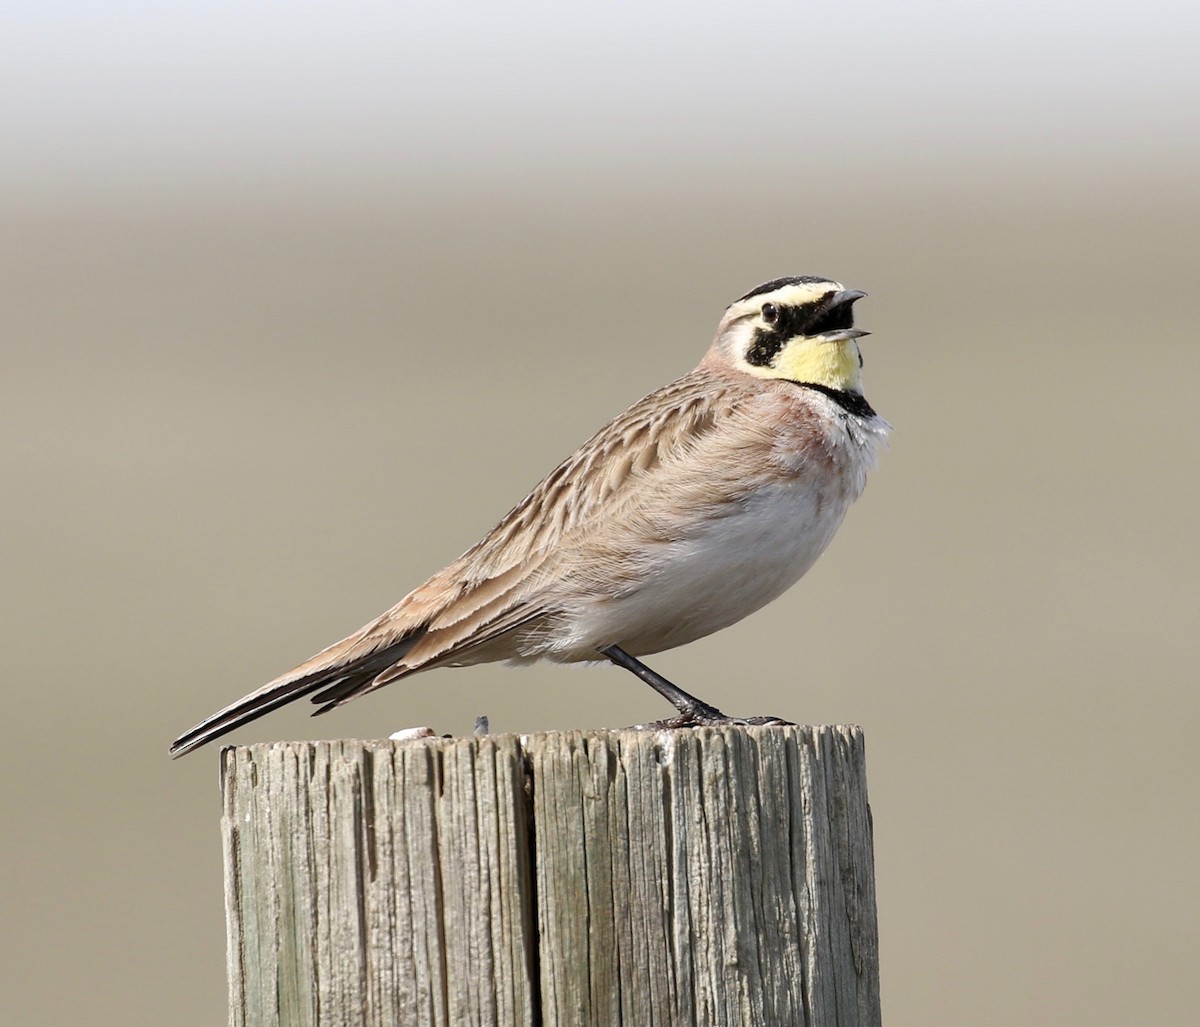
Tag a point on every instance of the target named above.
point(832, 364)
point(799, 330)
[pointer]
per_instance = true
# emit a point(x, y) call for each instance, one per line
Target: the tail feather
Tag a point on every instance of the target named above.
point(342, 690)
point(339, 673)
point(251, 707)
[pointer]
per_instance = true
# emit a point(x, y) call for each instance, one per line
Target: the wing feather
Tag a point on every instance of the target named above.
point(499, 587)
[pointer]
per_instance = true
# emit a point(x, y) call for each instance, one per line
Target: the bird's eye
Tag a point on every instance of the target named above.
point(770, 313)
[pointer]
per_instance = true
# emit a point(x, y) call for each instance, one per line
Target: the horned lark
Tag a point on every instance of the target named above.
point(697, 506)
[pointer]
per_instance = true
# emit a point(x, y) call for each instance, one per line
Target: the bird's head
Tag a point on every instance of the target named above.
point(798, 329)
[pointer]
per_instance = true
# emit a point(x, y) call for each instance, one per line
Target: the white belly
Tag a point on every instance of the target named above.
point(722, 572)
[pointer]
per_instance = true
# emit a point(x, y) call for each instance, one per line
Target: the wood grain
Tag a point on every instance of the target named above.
point(707, 878)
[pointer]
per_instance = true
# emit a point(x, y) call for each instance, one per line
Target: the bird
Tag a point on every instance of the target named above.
point(698, 505)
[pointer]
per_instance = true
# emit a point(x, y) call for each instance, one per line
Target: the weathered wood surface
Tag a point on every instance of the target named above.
point(710, 878)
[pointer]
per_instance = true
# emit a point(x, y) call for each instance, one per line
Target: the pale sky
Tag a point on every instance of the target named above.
point(139, 90)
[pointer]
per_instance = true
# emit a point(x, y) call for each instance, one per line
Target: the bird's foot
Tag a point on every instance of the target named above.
point(710, 716)
point(693, 712)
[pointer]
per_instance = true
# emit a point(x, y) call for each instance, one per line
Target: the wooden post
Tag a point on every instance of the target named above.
point(709, 878)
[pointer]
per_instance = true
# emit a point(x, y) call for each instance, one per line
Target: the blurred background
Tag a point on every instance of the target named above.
point(298, 299)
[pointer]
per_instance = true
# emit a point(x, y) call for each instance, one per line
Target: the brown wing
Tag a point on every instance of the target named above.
point(499, 584)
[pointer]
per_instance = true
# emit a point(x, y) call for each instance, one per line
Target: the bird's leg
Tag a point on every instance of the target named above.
point(691, 710)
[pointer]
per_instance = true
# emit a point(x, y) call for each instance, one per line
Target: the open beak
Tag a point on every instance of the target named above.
point(839, 311)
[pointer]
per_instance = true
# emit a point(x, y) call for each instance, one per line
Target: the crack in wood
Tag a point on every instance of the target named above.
point(700, 878)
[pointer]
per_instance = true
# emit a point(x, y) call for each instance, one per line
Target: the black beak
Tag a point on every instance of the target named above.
point(836, 319)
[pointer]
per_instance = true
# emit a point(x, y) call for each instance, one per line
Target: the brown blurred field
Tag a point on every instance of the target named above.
point(239, 422)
